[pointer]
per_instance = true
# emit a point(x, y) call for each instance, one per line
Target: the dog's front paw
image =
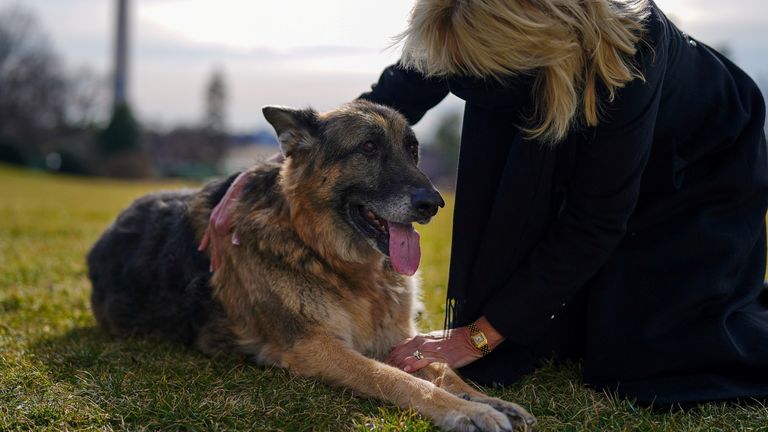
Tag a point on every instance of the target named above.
point(520, 419)
point(476, 417)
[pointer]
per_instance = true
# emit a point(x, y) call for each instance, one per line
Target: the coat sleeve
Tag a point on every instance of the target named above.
point(601, 195)
point(407, 91)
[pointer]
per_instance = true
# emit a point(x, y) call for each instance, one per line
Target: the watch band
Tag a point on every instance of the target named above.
point(475, 330)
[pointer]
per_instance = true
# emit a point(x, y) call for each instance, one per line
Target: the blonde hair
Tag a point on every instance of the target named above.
point(567, 44)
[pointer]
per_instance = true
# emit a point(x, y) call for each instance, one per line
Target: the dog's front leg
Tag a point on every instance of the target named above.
point(444, 377)
point(329, 358)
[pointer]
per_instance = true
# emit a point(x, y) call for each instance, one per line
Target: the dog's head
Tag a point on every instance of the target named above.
point(352, 180)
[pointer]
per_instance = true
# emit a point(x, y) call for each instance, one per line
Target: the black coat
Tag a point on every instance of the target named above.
point(637, 245)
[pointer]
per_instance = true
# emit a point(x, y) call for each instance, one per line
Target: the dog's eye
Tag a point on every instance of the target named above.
point(368, 148)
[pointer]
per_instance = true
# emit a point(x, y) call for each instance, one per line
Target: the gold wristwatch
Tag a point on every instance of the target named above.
point(478, 339)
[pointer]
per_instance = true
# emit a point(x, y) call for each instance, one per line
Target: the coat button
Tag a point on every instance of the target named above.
point(692, 43)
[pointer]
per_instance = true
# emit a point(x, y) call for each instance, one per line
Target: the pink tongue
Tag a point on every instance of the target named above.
point(404, 249)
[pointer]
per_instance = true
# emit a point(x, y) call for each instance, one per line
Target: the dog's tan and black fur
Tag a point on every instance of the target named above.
point(310, 287)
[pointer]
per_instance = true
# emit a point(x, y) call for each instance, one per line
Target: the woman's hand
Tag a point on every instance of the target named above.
point(452, 347)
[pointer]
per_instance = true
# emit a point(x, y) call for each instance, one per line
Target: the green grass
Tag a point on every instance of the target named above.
point(58, 371)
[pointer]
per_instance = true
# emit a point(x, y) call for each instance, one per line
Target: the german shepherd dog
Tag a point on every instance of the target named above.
point(319, 283)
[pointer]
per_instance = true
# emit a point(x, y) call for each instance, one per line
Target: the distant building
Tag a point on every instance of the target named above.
point(245, 150)
point(195, 152)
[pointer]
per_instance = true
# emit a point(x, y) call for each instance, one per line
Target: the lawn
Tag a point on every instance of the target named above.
point(58, 371)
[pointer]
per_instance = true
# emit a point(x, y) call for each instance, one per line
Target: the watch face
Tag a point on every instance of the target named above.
point(478, 339)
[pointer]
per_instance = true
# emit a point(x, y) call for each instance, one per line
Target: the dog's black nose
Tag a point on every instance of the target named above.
point(426, 201)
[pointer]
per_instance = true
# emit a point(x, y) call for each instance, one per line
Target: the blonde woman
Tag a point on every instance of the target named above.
point(610, 199)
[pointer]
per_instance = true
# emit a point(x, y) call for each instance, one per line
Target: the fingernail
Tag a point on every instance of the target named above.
point(407, 368)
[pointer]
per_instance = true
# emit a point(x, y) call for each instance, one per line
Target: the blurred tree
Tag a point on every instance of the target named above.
point(203, 155)
point(87, 98)
point(32, 85)
point(215, 103)
point(122, 133)
point(122, 154)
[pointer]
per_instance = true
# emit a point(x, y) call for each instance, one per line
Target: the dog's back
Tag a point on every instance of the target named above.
point(146, 272)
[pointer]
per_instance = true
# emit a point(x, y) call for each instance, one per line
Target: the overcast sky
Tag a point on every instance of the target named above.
point(298, 52)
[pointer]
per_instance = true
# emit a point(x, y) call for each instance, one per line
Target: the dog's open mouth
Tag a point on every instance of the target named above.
point(397, 240)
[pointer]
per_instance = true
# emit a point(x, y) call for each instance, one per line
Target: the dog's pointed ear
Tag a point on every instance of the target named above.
point(296, 129)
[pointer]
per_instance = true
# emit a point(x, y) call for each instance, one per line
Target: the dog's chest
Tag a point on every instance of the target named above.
point(382, 318)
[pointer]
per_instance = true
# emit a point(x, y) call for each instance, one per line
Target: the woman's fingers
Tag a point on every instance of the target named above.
point(431, 347)
point(453, 351)
point(429, 352)
point(403, 349)
point(416, 354)
point(403, 346)
point(412, 364)
point(397, 354)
